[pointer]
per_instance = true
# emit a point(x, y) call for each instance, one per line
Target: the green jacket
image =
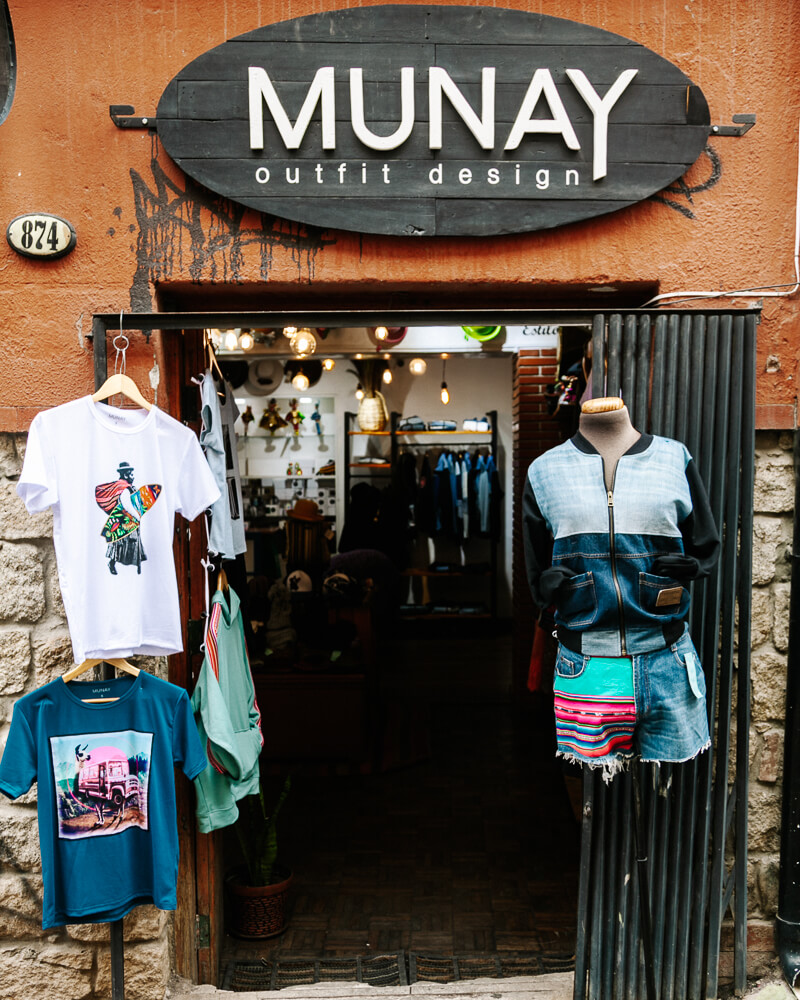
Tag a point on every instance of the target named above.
point(227, 718)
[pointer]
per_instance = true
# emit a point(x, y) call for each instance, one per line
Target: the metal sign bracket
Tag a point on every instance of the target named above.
point(744, 124)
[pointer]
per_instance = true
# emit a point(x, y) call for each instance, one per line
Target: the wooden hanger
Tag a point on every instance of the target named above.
point(213, 363)
point(81, 668)
point(222, 580)
point(121, 383)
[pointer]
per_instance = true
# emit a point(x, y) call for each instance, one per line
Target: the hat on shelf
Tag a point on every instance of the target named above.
point(305, 510)
point(263, 377)
point(299, 582)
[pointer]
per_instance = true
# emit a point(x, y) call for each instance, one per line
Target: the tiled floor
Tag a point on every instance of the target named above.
point(472, 849)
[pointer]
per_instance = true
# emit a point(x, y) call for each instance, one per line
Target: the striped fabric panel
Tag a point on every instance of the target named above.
point(212, 647)
point(594, 727)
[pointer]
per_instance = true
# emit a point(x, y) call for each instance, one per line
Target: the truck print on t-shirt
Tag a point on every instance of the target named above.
point(125, 507)
point(101, 782)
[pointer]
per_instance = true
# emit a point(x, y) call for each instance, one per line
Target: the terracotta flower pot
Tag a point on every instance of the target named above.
point(257, 911)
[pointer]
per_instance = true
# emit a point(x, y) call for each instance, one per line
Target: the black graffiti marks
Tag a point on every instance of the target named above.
point(680, 189)
point(193, 232)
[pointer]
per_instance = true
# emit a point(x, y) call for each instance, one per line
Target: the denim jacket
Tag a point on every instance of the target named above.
point(615, 563)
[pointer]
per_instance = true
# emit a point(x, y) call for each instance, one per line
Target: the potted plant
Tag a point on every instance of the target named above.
point(259, 890)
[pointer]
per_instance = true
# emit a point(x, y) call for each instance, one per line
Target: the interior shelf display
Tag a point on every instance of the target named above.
point(295, 460)
point(465, 558)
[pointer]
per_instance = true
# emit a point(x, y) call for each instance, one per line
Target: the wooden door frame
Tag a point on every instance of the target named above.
point(200, 878)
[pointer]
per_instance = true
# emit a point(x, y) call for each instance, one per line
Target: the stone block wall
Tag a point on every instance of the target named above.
point(35, 648)
point(772, 543)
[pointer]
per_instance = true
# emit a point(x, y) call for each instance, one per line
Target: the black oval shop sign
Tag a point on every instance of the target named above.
point(433, 121)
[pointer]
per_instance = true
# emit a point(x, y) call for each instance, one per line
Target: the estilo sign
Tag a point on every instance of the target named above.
point(432, 121)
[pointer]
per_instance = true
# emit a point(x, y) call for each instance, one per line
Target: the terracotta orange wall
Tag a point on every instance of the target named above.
point(138, 236)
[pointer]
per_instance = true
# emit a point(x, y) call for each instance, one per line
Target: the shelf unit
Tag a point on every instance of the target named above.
point(405, 439)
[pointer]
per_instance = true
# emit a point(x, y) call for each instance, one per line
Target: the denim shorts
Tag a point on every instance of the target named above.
point(650, 706)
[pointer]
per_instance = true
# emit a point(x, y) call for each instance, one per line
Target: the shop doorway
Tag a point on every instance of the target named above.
point(446, 721)
point(686, 375)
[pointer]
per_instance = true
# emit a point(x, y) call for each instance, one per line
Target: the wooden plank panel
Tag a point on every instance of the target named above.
point(665, 104)
point(439, 24)
point(410, 179)
point(515, 217)
point(626, 143)
point(405, 217)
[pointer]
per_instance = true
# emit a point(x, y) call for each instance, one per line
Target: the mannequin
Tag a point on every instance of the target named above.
point(606, 424)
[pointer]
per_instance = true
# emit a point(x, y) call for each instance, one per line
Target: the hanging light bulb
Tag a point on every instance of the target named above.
point(381, 332)
point(359, 391)
point(301, 381)
point(387, 375)
point(417, 366)
point(328, 364)
point(445, 392)
point(303, 343)
point(289, 331)
point(231, 340)
point(246, 340)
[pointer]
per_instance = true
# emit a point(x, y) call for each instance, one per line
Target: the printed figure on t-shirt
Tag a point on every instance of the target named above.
point(125, 507)
point(101, 788)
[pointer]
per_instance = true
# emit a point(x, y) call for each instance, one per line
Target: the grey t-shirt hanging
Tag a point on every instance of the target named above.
point(226, 534)
point(230, 411)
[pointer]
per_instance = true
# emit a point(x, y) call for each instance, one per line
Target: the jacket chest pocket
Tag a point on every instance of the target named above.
point(662, 596)
point(577, 601)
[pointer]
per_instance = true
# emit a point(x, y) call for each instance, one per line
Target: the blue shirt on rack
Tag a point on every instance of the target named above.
point(106, 791)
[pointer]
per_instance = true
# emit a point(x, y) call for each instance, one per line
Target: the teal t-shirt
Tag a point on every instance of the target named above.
point(106, 791)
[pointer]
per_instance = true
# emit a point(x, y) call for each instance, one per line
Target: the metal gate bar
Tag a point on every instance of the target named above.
point(692, 377)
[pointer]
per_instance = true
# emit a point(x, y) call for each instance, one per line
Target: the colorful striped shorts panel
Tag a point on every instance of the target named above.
point(595, 707)
point(651, 706)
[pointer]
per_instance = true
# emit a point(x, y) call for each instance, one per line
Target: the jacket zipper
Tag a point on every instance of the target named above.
point(613, 554)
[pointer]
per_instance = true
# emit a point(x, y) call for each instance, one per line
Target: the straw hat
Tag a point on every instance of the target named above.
point(305, 510)
point(264, 376)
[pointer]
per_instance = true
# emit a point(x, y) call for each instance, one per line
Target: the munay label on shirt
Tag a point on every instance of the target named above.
point(425, 120)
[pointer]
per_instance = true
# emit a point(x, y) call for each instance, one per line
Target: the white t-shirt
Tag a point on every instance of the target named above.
point(115, 479)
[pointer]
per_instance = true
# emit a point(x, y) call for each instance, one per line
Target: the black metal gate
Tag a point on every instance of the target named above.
point(690, 376)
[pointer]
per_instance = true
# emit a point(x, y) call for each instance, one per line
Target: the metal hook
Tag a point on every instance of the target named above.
point(121, 344)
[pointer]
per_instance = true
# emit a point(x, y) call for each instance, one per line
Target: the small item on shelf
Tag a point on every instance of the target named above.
point(476, 424)
point(370, 460)
point(297, 470)
point(316, 416)
point(442, 425)
point(247, 418)
point(328, 469)
point(271, 420)
point(411, 424)
point(294, 416)
point(289, 469)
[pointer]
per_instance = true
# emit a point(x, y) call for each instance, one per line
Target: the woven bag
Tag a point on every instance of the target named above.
point(373, 414)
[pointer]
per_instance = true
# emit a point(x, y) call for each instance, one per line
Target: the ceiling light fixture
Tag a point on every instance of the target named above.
point(381, 332)
point(417, 366)
point(231, 340)
point(246, 340)
point(301, 381)
point(328, 364)
point(303, 343)
point(387, 375)
point(445, 392)
point(289, 331)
